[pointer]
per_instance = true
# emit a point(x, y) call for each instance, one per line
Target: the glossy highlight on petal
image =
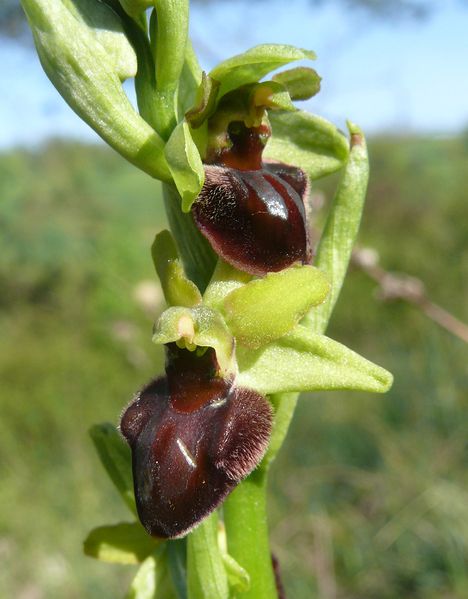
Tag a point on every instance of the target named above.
point(255, 220)
point(252, 212)
point(193, 436)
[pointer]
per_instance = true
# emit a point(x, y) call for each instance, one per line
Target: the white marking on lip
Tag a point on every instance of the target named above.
point(186, 453)
point(217, 403)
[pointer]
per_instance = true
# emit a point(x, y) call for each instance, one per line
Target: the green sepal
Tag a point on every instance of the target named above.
point(307, 141)
point(206, 573)
point(74, 57)
point(205, 103)
point(185, 164)
point(305, 361)
point(238, 577)
point(268, 308)
point(302, 83)
point(123, 543)
point(198, 327)
point(254, 64)
point(116, 457)
point(342, 225)
point(225, 279)
point(177, 288)
point(153, 581)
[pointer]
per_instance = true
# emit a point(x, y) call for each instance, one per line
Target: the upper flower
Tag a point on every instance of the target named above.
point(252, 212)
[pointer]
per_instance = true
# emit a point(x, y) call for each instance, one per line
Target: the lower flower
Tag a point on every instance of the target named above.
point(194, 436)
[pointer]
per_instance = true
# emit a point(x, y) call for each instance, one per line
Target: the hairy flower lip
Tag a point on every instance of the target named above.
point(255, 219)
point(194, 436)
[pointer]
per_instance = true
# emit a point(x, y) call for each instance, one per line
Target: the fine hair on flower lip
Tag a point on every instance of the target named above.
point(194, 436)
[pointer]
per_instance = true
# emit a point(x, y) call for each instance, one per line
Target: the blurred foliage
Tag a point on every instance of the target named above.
point(369, 496)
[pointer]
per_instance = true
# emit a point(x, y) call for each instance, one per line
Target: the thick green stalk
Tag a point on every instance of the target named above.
point(245, 518)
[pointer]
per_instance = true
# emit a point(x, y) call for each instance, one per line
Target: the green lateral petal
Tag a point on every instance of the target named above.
point(342, 225)
point(206, 574)
point(306, 141)
point(254, 64)
point(304, 361)
point(178, 289)
point(85, 75)
point(302, 83)
point(116, 457)
point(197, 327)
point(123, 543)
point(266, 309)
point(185, 164)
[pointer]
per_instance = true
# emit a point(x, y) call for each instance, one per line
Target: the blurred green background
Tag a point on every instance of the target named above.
point(369, 497)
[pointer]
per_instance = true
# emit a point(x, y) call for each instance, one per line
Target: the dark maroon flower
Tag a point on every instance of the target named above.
point(193, 436)
point(252, 212)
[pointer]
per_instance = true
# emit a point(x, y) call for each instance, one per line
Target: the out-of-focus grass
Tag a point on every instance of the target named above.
point(369, 496)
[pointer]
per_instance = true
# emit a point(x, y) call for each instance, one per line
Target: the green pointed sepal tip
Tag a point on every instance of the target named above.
point(306, 361)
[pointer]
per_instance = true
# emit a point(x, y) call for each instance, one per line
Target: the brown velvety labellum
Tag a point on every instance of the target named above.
point(255, 220)
point(193, 438)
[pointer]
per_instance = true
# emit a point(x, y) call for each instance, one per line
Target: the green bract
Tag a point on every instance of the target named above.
point(341, 228)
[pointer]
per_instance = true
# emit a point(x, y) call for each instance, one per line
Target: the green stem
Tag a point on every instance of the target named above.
point(198, 257)
point(245, 518)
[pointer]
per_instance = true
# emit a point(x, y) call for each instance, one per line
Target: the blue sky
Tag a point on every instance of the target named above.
point(386, 76)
